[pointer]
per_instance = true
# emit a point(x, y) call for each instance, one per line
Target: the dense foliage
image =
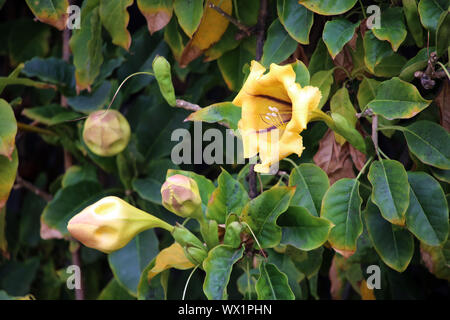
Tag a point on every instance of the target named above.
point(358, 91)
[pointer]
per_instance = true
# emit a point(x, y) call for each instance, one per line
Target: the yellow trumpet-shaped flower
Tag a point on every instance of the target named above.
point(110, 223)
point(275, 110)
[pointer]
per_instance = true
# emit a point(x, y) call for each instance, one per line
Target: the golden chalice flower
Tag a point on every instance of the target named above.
point(275, 110)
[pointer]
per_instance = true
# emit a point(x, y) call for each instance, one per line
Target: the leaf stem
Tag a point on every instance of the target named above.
point(30, 128)
point(256, 239)
point(364, 168)
point(187, 281)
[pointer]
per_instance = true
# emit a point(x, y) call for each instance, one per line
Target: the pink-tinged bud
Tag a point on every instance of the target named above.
point(110, 223)
point(106, 133)
point(181, 196)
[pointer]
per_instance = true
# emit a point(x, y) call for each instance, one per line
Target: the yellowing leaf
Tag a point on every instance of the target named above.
point(157, 12)
point(52, 12)
point(212, 26)
point(115, 18)
point(171, 257)
point(366, 293)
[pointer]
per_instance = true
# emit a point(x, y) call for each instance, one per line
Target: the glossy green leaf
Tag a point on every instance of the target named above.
point(320, 59)
point(8, 129)
point(226, 43)
point(115, 18)
point(205, 186)
point(302, 75)
point(337, 33)
point(86, 46)
point(328, 7)
point(340, 103)
point(76, 174)
point(273, 284)
point(50, 115)
point(189, 14)
point(390, 189)
point(437, 259)
point(418, 62)
point(219, 112)
point(379, 53)
point(157, 12)
point(296, 19)
point(413, 21)
point(218, 266)
point(427, 214)
point(173, 38)
point(88, 102)
point(303, 230)
point(344, 128)
point(394, 245)
point(278, 45)
point(52, 12)
point(429, 142)
point(229, 197)
point(128, 263)
point(342, 206)
point(392, 27)
point(7, 176)
point(6, 81)
point(148, 188)
point(262, 213)
point(430, 11)
point(114, 291)
point(311, 183)
point(397, 99)
point(307, 262)
point(366, 92)
point(443, 34)
point(295, 278)
point(443, 175)
point(323, 80)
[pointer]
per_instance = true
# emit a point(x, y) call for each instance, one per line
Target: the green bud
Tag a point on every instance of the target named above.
point(186, 238)
point(106, 133)
point(161, 69)
point(196, 255)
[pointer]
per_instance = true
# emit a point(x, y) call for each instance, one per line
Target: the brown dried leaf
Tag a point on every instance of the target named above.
point(442, 101)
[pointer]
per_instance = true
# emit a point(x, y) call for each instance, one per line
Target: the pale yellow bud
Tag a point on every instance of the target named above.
point(106, 133)
point(110, 223)
point(181, 196)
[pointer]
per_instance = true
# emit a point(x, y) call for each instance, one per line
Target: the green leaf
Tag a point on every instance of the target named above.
point(437, 259)
point(443, 175)
point(429, 142)
point(128, 263)
point(379, 57)
point(148, 189)
point(205, 186)
point(88, 102)
point(337, 33)
point(366, 92)
point(311, 183)
point(17, 277)
point(262, 213)
point(307, 262)
point(344, 128)
point(323, 80)
point(284, 263)
point(273, 284)
point(278, 45)
point(328, 7)
point(157, 12)
point(303, 230)
point(86, 46)
point(340, 103)
point(418, 62)
point(397, 99)
point(443, 34)
point(427, 214)
point(302, 75)
point(218, 266)
point(226, 43)
point(70, 201)
point(5, 81)
point(50, 115)
point(7, 176)
point(296, 19)
point(219, 112)
point(114, 291)
point(342, 206)
point(52, 12)
point(8, 129)
point(115, 18)
point(320, 59)
point(430, 11)
point(413, 21)
point(390, 189)
point(76, 174)
point(392, 27)
point(229, 197)
point(189, 14)
point(231, 63)
point(173, 38)
point(394, 245)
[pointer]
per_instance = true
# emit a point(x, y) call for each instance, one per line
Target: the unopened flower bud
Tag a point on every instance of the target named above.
point(106, 133)
point(181, 196)
point(186, 238)
point(110, 223)
point(196, 255)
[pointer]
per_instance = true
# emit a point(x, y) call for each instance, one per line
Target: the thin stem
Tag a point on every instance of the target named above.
point(444, 68)
point(187, 282)
point(383, 154)
point(256, 239)
point(30, 128)
point(364, 168)
point(375, 133)
point(31, 187)
point(234, 21)
point(363, 10)
point(291, 162)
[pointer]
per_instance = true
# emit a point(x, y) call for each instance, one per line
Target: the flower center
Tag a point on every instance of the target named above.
point(275, 118)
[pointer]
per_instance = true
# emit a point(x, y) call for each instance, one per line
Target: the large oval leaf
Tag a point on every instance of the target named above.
point(296, 19)
point(430, 11)
point(278, 46)
point(390, 189)
point(218, 266)
point(328, 7)
point(394, 245)
point(311, 183)
point(115, 18)
point(157, 12)
point(189, 14)
point(397, 99)
point(413, 21)
point(337, 33)
point(273, 284)
point(219, 112)
point(392, 27)
point(52, 12)
point(342, 206)
point(429, 142)
point(427, 214)
point(303, 230)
